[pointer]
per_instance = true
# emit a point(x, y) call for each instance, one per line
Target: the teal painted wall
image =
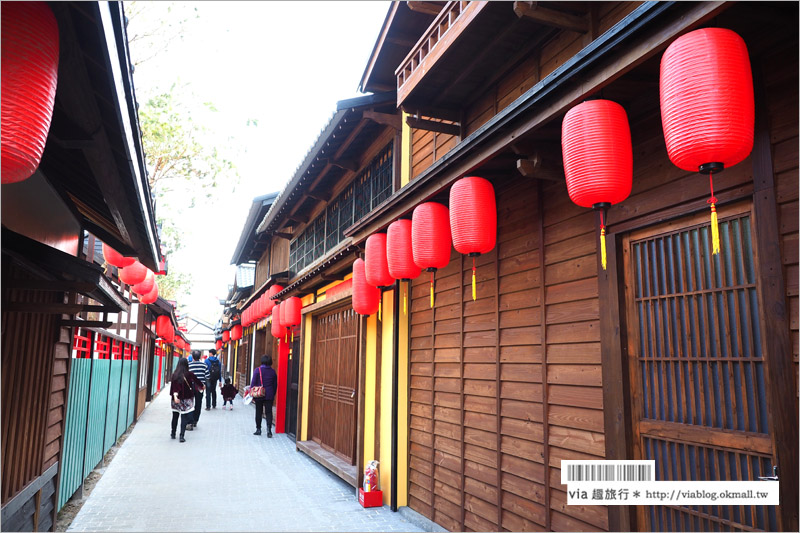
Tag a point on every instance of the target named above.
point(75, 430)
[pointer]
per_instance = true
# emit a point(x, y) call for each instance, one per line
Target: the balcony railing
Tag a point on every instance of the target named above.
point(445, 29)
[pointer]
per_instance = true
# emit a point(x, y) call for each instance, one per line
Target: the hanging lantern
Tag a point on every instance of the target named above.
point(598, 158)
point(376, 267)
point(399, 256)
point(218, 345)
point(430, 238)
point(366, 297)
point(113, 257)
point(276, 328)
point(473, 219)
point(133, 274)
point(151, 296)
point(29, 73)
point(271, 292)
point(146, 285)
point(707, 105)
point(164, 328)
point(291, 313)
point(236, 332)
point(226, 335)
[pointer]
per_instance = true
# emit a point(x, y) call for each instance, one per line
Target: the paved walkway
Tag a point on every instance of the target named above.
point(223, 478)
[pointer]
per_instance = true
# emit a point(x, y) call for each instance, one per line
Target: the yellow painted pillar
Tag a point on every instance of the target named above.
point(405, 152)
point(386, 325)
point(307, 336)
point(402, 408)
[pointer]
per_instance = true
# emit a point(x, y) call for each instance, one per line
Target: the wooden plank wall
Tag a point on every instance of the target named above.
point(429, 147)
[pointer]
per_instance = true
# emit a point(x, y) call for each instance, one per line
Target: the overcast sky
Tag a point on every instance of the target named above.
point(285, 64)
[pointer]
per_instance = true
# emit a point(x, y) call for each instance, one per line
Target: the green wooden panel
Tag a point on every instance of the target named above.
point(124, 394)
point(154, 385)
point(74, 430)
point(96, 422)
point(133, 389)
point(113, 404)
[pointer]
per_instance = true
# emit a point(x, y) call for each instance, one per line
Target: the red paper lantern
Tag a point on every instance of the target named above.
point(707, 105)
point(366, 297)
point(164, 328)
point(376, 266)
point(29, 74)
point(598, 158)
point(270, 303)
point(151, 296)
point(399, 255)
point(291, 313)
point(473, 219)
point(277, 328)
point(146, 285)
point(133, 274)
point(113, 257)
point(218, 345)
point(226, 335)
point(430, 238)
point(236, 332)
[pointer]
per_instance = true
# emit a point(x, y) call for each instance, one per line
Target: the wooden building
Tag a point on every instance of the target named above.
point(74, 347)
point(670, 354)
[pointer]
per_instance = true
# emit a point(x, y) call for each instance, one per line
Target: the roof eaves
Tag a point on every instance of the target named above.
point(248, 230)
point(376, 49)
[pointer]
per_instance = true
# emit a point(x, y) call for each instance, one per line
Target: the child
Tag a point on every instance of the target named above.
point(228, 393)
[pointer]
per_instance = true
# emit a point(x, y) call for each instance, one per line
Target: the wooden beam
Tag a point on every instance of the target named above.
point(294, 217)
point(433, 112)
point(533, 167)
point(386, 119)
point(53, 308)
point(322, 196)
point(287, 236)
point(50, 285)
point(103, 324)
point(551, 17)
point(347, 164)
point(431, 125)
point(332, 277)
point(429, 8)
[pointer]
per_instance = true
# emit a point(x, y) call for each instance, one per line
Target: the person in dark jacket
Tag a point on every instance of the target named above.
point(214, 376)
point(229, 392)
point(264, 376)
point(181, 391)
point(200, 370)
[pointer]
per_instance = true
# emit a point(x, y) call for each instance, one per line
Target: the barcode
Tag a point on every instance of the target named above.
point(576, 471)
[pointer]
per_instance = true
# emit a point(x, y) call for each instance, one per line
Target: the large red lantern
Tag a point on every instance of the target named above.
point(291, 313)
point(376, 266)
point(164, 328)
point(276, 327)
point(29, 74)
point(218, 345)
point(271, 292)
point(151, 296)
point(226, 335)
point(366, 297)
point(430, 238)
point(113, 257)
point(707, 105)
point(236, 332)
point(146, 285)
point(133, 274)
point(473, 219)
point(399, 255)
point(598, 158)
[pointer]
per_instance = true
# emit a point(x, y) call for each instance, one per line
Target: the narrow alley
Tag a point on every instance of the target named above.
point(223, 478)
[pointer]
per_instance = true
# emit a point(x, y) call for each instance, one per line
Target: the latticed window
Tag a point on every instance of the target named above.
point(371, 187)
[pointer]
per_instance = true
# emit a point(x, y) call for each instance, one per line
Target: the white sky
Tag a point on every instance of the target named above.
point(285, 64)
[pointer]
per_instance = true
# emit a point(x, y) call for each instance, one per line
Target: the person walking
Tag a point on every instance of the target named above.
point(214, 374)
point(228, 392)
point(182, 396)
point(200, 370)
point(265, 378)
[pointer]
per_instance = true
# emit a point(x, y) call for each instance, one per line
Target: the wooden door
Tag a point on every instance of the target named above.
point(696, 365)
point(334, 372)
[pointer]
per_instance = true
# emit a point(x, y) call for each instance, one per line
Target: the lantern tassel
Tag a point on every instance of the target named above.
point(431, 290)
point(380, 303)
point(405, 298)
point(714, 219)
point(603, 247)
point(474, 287)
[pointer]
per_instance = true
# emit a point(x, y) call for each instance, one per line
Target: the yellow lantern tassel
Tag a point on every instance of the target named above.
point(603, 247)
point(431, 290)
point(379, 307)
point(474, 286)
point(405, 298)
point(714, 230)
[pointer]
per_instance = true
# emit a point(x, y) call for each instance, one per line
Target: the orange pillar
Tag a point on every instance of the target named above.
point(280, 396)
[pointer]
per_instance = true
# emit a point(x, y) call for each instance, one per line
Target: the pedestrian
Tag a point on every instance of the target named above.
point(229, 392)
point(214, 374)
point(182, 397)
point(264, 376)
point(200, 370)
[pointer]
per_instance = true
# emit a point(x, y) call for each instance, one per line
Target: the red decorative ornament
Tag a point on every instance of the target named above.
point(277, 328)
point(236, 332)
point(376, 266)
point(399, 255)
point(473, 219)
point(598, 158)
point(218, 345)
point(707, 105)
point(430, 238)
point(133, 274)
point(29, 75)
point(271, 292)
point(226, 335)
point(164, 328)
point(113, 257)
point(146, 285)
point(366, 297)
point(151, 296)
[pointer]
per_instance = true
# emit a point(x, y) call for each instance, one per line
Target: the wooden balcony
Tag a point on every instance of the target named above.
point(442, 33)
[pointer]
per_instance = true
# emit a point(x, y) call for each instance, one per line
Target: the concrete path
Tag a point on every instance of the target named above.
point(223, 478)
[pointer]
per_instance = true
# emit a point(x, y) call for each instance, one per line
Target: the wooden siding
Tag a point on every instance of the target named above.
point(428, 147)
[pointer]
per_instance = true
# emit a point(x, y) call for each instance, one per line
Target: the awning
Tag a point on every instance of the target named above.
point(58, 271)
